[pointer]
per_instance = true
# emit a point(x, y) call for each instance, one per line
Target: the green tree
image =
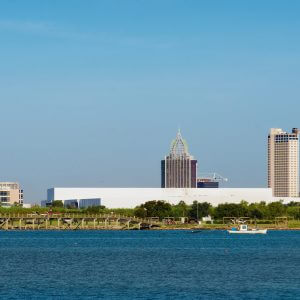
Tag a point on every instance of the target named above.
point(243, 209)
point(294, 211)
point(276, 209)
point(254, 211)
point(180, 210)
point(140, 212)
point(95, 209)
point(231, 210)
point(199, 210)
point(57, 203)
point(154, 208)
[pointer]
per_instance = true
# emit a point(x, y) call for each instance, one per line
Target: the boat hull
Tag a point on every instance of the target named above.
point(261, 231)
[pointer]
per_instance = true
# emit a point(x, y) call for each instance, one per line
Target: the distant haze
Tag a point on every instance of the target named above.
point(93, 92)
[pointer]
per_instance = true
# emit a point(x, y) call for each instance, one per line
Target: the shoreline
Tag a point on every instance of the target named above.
point(135, 229)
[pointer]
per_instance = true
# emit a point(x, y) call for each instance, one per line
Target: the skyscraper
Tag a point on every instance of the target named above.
point(179, 168)
point(283, 162)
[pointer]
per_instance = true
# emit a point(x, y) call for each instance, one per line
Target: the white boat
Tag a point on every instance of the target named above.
point(243, 229)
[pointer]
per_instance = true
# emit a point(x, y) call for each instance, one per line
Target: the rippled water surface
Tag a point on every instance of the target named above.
point(149, 265)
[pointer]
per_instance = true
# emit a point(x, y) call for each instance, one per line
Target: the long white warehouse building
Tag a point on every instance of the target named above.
point(132, 197)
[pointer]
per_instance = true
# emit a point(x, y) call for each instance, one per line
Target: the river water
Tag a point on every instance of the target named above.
point(149, 265)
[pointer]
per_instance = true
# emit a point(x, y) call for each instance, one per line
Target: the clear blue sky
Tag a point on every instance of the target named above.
point(92, 92)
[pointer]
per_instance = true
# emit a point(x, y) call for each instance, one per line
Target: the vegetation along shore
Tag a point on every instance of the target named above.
point(152, 215)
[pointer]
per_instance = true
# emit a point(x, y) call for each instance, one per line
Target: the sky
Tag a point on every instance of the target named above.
point(93, 92)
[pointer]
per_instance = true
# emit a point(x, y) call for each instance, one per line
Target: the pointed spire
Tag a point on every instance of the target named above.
point(179, 146)
point(178, 136)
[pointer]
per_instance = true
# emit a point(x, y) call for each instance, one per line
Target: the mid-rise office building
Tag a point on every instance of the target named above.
point(10, 194)
point(179, 168)
point(283, 162)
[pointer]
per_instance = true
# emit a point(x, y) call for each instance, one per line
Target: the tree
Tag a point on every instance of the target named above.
point(154, 208)
point(140, 212)
point(255, 212)
point(199, 210)
point(294, 211)
point(95, 209)
point(57, 203)
point(231, 210)
point(276, 209)
point(293, 203)
point(180, 210)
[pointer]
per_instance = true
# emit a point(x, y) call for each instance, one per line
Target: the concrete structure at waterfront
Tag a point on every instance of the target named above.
point(132, 197)
point(283, 162)
point(179, 168)
point(10, 194)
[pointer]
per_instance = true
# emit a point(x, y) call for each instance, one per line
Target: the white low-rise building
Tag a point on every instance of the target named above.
point(132, 197)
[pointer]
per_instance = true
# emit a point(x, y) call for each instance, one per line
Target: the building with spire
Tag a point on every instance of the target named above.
point(179, 168)
point(179, 180)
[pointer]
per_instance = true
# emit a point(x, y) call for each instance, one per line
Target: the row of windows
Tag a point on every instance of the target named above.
point(285, 135)
point(11, 186)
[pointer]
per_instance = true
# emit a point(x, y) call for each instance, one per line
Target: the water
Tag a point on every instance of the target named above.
point(149, 265)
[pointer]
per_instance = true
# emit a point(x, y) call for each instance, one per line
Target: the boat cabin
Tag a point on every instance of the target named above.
point(243, 227)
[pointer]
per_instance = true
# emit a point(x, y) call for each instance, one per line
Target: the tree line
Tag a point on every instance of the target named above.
point(197, 210)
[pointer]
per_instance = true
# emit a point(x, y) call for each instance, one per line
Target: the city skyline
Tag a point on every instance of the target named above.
point(179, 150)
point(149, 149)
point(93, 97)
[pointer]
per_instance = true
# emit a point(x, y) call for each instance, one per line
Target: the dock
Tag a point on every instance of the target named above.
point(66, 221)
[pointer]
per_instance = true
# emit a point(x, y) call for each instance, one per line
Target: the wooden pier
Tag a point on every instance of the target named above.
point(57, 221)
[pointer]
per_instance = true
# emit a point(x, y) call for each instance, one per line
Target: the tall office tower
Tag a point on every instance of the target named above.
point(283, 162)
point(179, 168)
